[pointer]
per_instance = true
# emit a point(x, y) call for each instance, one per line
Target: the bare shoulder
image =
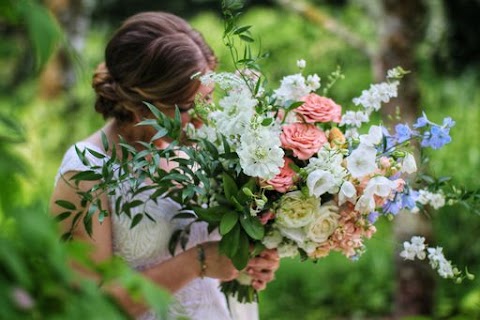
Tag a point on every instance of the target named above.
point(67, 193)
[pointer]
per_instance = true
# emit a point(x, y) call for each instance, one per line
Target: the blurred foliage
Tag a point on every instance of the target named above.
point(35, 133)
point(38, 282)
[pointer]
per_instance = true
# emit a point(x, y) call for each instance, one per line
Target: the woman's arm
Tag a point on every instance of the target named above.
point(171, 275)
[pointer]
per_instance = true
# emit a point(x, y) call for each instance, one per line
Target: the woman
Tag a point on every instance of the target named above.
point(152, 58)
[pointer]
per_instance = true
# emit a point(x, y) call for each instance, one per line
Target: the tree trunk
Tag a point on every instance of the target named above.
point(401, 28)
point(59, 74)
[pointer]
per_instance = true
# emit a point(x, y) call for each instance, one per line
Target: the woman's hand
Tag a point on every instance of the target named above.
point(262, 268)
point(218, 265)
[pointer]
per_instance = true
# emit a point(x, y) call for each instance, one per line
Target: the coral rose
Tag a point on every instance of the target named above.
point(319, 109)
point(303, 139)
point(285, 180)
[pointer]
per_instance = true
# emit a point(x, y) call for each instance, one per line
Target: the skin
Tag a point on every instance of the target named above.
point(176, 272)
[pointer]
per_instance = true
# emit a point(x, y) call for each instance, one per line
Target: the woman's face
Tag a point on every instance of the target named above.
point(204, 94)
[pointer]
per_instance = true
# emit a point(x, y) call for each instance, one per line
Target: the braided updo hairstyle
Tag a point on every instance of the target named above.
point(151, 57)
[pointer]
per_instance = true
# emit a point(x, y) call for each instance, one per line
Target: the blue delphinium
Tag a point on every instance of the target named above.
point(402, 200)
point(403, 132)
point(436, 138)
point(434, 135)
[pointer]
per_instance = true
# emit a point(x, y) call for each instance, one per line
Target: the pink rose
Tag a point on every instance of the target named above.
point(285, 180)
point(267, 216)
point(319, 109)
point(303, 139)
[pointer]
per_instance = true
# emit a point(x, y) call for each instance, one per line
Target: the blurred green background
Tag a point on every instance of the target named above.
point(48, 53)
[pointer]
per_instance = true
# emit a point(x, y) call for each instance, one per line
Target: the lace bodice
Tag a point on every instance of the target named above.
point(147, 244)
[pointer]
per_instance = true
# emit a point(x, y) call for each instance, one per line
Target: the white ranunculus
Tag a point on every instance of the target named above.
point(409, 165)
point(361, 161)
point(272, 239)
point(296, 210)
point(347, 193)
point(324, 224)
point(320, 182)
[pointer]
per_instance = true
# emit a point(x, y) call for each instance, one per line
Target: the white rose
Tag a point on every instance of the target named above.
point(296, 210)
point(324, 225)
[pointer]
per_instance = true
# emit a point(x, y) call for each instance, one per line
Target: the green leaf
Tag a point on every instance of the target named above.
point(267, 121)
point(102, 215)
point(229, 186)
point(136, 220)
point(176, 176)
point(96, 154)
point(240, 30)
point(174, 239)
point(295, 105)
point(246, 38)
point(184, 215)
point(253, 227)
point(89, 175)
point(104, 141)
point(43, 30)
point(229, 220)
point(66, 204)
point(211, 215)
point(62, 216)
point(242, 255)
point(229, 242)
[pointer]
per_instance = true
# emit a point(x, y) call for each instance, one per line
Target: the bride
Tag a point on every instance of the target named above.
point(152, 57)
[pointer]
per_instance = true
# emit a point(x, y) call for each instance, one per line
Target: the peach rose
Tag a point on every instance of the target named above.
point(319, 109)
point(303, 139)
point(284, 181)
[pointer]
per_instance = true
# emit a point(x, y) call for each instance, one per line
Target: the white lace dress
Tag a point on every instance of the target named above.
point(147, 244)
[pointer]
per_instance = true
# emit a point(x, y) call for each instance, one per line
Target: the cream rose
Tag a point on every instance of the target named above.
point(296, 210)
point(303, 139)
point(324, 224)
point(319, 109)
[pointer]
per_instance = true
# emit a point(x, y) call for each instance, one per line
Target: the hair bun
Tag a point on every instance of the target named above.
point(109, 95)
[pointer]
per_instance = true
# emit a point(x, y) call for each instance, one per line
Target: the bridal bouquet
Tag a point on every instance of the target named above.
point(293, 172)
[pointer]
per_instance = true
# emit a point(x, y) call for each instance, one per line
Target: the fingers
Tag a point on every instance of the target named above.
point(259, 285)
point(264, 275)
point(265, 260)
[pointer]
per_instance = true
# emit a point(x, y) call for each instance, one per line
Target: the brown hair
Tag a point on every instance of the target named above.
point(151, 57)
